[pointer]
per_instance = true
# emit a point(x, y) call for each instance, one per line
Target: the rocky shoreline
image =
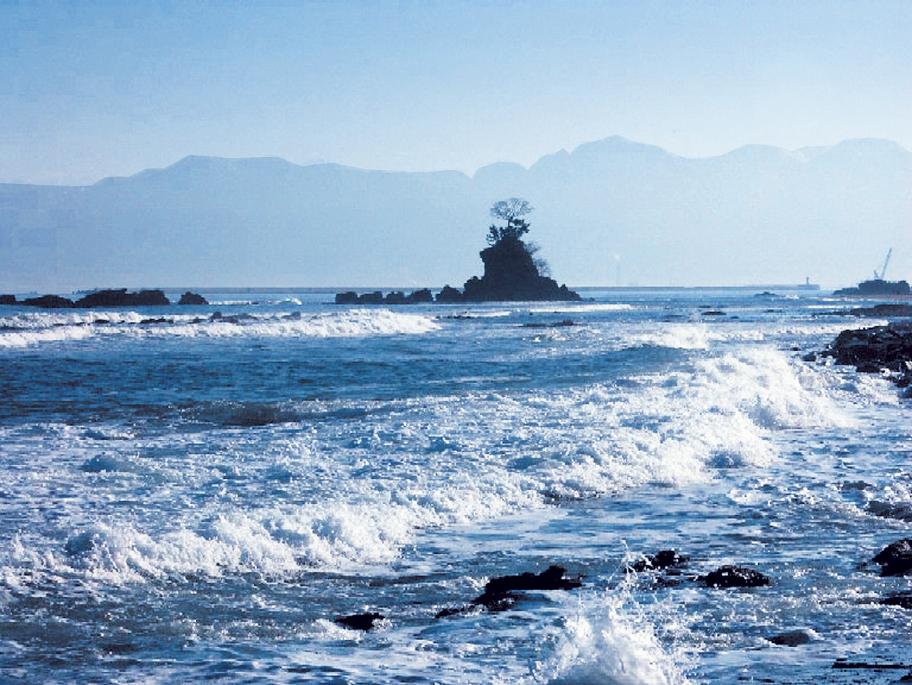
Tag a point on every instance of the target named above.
point(886, 350)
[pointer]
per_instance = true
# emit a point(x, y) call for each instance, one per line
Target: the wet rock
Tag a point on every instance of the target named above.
point(667, 558)
point(881, 310)
point(160, 319)
point(734, 576)
point(792, 638)
point(365, 621)
point(348, 297)
point(190, 298)
point(713, 312)
point(7, 299)
point(895, 559)
point(874, 349)
point(900, 599)
point(500, 593)
point(449, 296)
point(49, 302)
point(809, 357)
point(845, 664)
point(564, 323)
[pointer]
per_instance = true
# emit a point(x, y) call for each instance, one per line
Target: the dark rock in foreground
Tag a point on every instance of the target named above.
point(871, 349)
point(792, 638)
point(735, 576)
point(192, 298)
point(364, 621)
point(49, 302)
point(499, 593)
point(510, 274)
point(667, 558)
point(7, 299)
point(563, 323)
point(121, 298)
point(895, 559)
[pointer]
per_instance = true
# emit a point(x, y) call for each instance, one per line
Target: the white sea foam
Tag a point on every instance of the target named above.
point(609, 640)
point(501, 454)
point(341, 324)
point(583, 308)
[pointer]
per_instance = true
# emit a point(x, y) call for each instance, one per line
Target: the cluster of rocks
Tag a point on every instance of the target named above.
point(423, 296)
point(118, 297)
point(876, 286)
point(510, 275)
point(876, 349)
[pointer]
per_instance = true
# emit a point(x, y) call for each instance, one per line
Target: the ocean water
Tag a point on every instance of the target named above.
point(196, 500)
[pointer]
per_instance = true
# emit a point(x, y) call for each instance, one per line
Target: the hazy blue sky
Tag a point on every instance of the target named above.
point(95, 89)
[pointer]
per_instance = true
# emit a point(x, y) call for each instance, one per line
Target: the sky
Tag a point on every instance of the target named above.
point(89, 89)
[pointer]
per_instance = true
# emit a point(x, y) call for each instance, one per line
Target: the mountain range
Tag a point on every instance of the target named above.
point(609, 212)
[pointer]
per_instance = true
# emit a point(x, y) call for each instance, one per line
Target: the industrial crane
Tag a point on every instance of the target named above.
point(883, 269)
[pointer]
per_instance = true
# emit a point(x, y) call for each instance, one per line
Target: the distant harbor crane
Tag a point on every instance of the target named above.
point(883, 269)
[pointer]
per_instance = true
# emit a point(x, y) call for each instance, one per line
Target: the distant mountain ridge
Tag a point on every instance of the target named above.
point(607, 208)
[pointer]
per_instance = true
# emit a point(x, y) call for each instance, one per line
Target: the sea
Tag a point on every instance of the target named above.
point(195, 498)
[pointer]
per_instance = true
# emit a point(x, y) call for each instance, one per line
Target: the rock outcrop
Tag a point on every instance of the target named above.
point(510, 274)
point(875, 287)
point(365, 621)
point(895, 559)
point(870, 350)
point(7, 299)
point(192, 298)
point(49, 302)
point(121, 298)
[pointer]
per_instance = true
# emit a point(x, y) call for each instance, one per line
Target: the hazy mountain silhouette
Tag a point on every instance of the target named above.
point(756, 214)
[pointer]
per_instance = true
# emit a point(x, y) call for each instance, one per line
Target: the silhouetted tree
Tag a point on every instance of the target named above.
point(512, 211)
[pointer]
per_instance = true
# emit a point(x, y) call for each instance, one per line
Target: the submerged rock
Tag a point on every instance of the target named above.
point(667, 558)
point(792, 638)
point(365, 621)
point(895, 559)
point(734, 576)
point(192, 298)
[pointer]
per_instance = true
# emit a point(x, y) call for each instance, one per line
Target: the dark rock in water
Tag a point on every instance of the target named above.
point(792, 638)
point(564, 323)
point(7, 299)
point(348, 297)
point(809, 357)
point(866, 666)
point(895, 559)
point(881, 310)
point(423, 296)
point(364, 621)
point(395, 297)
point(876, 348)
point(713, 312)
point(766, 294)
point(192, 298)
point(500, 593)
point(49, 302)
point(449, 296)
point(510, 274)
point(160, 319)
point(735, 576)
point(667, 558)
point(902, 599)
point(375, 297)
point(900, 512)
point(876, 286)
point(550, 579)
point(121, 298)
